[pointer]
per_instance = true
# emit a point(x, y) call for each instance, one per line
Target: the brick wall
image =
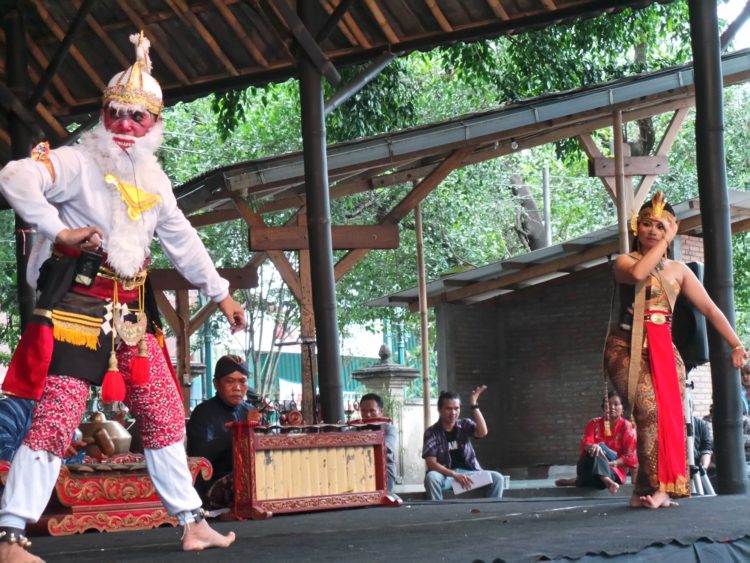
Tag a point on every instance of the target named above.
point(540, 352)
point(689, 249)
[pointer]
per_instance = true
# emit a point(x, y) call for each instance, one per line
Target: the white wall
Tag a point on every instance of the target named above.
point(409, 463)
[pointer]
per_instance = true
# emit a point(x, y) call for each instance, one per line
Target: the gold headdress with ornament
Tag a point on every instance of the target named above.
point(657, 209)
point(134, 87)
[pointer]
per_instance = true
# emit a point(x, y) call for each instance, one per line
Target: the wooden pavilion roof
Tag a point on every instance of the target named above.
point(410, 155)
point(205, 46)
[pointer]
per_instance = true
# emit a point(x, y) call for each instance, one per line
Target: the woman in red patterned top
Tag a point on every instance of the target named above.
point(604, 460)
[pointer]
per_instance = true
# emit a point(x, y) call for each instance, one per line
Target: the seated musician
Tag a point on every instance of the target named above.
point(207, 435)
point(371, 407)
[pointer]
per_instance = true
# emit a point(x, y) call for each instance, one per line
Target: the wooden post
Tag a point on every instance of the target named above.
point(307, 332)
point(622, 198)
point(423, 316)
point(182, 302)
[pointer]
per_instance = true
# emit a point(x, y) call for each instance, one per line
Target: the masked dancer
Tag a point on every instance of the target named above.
point(97, 206)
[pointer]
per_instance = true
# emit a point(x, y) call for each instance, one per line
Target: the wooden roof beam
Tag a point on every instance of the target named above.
point(169, 62)
point(537, 270)
point(36, 52)
point(592, 151)
point(9, 101)
point(74, 52)
point(274, 23)
point(279, 259)
point(405, 206)
point(498, 10)
point(390, 35)
point(665, 145)
point(456, 283)
point(563, 263)
point(43, 83)
point(51, 122)
point(232, 22)
point(184, 12)
point(344, 237)
point(360, 38)
point(334, 19)
point(104, 37)
point(439, 16)
point(48, 97)
point(308, 44)
point(343, 28)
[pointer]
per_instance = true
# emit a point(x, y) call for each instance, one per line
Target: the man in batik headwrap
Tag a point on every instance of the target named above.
point(97, 207)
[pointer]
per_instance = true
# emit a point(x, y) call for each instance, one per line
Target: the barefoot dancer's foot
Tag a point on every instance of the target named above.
point(199, 536)
point(14, 553)
point(635, 501)
point(659, 499)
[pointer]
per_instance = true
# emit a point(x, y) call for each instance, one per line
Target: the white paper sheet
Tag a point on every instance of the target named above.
point(478, 479)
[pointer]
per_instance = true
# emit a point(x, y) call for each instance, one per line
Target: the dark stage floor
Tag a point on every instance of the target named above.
point(465, 530)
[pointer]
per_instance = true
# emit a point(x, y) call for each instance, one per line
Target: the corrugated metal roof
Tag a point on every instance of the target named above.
point(205, 46)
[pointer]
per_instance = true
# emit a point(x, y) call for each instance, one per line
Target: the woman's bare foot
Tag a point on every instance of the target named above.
point(612, 487)
point(659, 499)
point(14, 553)
point(569, 482)
point(199, 536)
point(635, 501)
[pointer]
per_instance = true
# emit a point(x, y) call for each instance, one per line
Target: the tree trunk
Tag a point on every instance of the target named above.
point(529, 224)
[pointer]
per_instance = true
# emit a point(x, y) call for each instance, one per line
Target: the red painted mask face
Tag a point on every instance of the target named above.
point(133, 123)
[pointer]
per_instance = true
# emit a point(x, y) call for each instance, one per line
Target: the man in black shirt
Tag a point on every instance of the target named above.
point(448, 452)
point(206, 434)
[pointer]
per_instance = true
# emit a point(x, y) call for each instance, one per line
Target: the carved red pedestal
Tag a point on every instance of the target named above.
point(108, 501)
point(303, 462)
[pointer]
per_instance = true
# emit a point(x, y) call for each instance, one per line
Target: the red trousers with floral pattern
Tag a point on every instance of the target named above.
point(156, 405)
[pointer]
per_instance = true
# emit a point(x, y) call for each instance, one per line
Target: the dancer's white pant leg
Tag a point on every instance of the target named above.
point(30, 482)
point(168, 469)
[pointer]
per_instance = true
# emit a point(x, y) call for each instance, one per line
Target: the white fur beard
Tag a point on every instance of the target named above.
point(127, 244)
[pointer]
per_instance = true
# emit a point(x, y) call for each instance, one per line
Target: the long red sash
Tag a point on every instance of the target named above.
point(672, 463)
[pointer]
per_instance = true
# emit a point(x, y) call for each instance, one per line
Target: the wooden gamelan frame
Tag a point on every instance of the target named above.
point(297, 472)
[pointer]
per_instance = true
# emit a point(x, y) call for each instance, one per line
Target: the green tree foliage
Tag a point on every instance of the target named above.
point(10, 325)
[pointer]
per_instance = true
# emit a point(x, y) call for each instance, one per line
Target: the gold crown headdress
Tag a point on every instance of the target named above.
point(135, 88)
point(657, 210)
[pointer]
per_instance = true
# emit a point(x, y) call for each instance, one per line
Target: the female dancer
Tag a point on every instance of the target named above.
point(649, 285)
